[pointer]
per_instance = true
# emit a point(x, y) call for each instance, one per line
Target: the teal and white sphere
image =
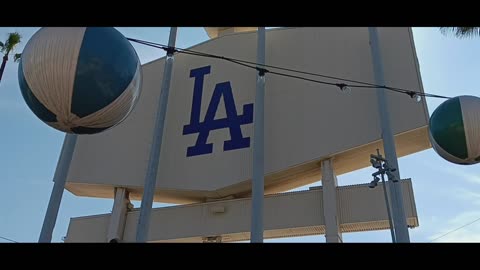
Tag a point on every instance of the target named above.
point(455, 130)
point(80, 80)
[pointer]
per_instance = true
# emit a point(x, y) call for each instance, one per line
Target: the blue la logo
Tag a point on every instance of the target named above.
point(233, 121)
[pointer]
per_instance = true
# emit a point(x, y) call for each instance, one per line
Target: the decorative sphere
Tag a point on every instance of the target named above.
point(80, 80)
point(455, 130)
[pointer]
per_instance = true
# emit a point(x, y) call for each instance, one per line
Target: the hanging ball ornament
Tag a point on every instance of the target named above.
point(454, 130)
point(80, 80)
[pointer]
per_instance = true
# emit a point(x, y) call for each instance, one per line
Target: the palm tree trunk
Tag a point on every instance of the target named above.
point(2, 68)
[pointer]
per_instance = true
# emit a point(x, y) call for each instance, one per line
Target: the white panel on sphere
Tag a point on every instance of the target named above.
point(470, 115)
point(305, 122)
point(53, 80)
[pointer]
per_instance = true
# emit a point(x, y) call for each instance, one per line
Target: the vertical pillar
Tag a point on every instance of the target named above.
point(59, 180)
point(398, 211)
point(121, 205)
point(156, 146)
point(333, 233)
point(256, 232)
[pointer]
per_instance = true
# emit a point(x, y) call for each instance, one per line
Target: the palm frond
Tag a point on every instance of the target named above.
point(17, 57)
point(12, 41)
point(1, 45)
point(461, 32)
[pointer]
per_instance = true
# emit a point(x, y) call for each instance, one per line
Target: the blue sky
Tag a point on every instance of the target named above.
point(447, 195)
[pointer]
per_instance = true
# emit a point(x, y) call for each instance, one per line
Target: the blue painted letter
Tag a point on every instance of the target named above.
point(233, 121)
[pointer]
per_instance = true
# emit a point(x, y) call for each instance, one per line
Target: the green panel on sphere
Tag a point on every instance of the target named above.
point(447, 129)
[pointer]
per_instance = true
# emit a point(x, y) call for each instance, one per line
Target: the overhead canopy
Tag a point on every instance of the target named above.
point(290, 214)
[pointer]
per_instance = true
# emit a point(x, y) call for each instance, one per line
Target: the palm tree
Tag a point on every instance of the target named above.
point(461, 32)
point(8, 47)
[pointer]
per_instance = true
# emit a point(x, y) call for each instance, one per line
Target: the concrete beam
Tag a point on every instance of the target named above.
point(286, 215)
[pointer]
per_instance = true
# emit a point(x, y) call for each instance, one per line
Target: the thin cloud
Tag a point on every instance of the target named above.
point(467, 195)
point(457, 172)
point(464, 227)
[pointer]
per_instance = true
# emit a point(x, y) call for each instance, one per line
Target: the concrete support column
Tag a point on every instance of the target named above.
point(333, 233)
point(121, 205)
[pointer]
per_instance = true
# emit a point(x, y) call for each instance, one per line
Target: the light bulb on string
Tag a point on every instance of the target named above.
point(261, 78)
point(344, 88)
point(416, 97)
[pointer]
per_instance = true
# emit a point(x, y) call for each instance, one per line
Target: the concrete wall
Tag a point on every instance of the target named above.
point(305, 122)
point(286, 215)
